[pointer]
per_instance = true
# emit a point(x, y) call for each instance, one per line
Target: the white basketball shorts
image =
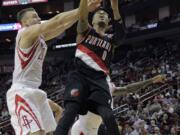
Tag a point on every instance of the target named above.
point(29, 110)
point(86, 125)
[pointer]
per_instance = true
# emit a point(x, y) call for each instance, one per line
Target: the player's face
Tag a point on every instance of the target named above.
point(32, 18)
point(101, 17)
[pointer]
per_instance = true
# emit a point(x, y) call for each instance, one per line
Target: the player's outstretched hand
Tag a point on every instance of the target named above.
point(159, 79)
point(93, 5)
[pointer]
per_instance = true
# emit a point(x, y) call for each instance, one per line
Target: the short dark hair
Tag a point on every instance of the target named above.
point(21, 13)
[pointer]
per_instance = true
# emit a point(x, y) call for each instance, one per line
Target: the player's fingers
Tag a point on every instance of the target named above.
point(93, 2)
point(97, 1)
point(98, 5)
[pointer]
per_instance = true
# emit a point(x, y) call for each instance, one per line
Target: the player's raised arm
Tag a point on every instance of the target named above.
point(70, 20)
point(59, 30)
point(134, 87)
point(85, 7)
point(119, 30)
point(115, 8)
point(83, 17)
point(32, 32)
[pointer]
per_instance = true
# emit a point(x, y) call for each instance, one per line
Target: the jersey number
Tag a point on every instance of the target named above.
point(104, 55)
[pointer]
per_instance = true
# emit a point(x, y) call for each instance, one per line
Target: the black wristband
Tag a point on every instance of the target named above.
point(118, 21)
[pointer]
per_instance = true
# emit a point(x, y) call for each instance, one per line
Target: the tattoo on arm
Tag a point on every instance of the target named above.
point(138, 85)
point(83, 17)
point(82, 26)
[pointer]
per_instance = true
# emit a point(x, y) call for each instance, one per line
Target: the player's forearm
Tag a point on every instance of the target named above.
point(116, 13)
point(34, 31)
point(115, 8)
point(124, 90)
point(120, 91)
point(139, 85)
point(118, 26)
point(83, 10)
point(57, 21)
point(132, 87)
point(59, 30)
point(62, 18)
point(65, 17)
point(82, 25)
point(68, 25)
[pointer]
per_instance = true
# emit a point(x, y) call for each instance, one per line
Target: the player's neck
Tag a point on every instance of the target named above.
point(100, 30)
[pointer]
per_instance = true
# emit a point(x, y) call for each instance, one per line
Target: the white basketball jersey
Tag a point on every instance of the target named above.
point(29, 62)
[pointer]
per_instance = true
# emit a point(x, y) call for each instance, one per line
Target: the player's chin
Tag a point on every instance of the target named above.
point(102, 24)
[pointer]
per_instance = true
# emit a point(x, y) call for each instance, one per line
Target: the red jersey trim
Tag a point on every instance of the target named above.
point(95, 58)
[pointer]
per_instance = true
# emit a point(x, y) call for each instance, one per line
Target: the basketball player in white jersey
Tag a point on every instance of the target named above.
point(30, 110)
point(89, 124)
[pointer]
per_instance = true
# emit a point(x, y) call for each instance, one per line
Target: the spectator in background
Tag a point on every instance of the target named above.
point(152, 125)
point(156, 131)
point(1, 102)
point(4, 112)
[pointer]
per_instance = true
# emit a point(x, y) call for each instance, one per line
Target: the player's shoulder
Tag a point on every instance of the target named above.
point(28, 30)
point(28, 34)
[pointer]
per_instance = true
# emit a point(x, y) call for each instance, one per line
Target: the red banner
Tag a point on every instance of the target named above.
point(20, 2)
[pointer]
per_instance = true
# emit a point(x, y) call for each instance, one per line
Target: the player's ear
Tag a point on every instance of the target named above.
point(24, 21)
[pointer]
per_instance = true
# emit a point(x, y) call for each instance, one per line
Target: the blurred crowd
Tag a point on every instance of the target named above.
point(159, 114)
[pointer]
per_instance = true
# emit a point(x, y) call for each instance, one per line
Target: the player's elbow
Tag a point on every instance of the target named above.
point(58, 110)
point(46, 27)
